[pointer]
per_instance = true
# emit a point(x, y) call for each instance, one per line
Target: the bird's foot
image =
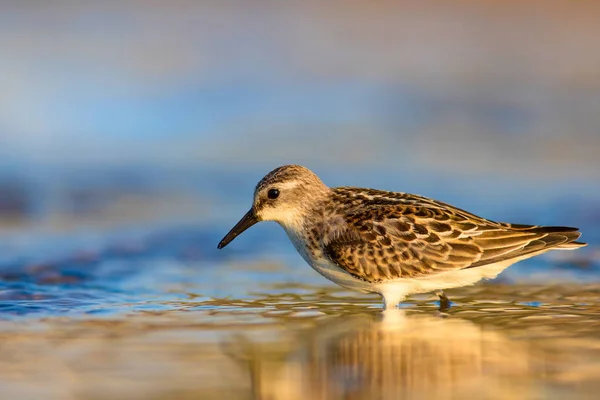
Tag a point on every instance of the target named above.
point(445, 302)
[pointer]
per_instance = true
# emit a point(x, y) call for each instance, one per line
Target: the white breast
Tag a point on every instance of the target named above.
point(320, 263)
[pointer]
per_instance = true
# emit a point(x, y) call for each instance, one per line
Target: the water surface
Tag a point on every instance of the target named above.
point(290, 342)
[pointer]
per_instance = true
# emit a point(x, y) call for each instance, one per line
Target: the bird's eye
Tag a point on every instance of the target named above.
point(273, 194)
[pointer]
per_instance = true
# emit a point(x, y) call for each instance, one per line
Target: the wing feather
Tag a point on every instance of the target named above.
point(389, 235)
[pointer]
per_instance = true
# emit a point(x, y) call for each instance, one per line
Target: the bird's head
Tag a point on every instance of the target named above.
point(285, 195)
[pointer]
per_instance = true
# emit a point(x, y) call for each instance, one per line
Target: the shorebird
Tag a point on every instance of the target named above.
point(391, 243)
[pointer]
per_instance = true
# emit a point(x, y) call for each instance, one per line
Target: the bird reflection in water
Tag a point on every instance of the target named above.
point(390, 355)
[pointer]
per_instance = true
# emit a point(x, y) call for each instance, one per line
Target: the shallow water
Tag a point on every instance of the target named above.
point(497, 341)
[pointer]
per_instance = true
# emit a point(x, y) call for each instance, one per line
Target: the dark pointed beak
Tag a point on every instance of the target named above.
point(246, 222)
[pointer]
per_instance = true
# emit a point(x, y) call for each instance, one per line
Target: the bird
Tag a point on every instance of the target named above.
point(393, 244)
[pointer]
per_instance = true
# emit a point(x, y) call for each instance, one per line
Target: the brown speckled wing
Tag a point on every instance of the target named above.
point(391, 235)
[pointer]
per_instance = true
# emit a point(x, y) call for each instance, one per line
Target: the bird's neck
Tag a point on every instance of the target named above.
point(303, 233)
point(303, 226)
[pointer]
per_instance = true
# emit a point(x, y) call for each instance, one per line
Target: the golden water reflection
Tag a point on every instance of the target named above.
point(262, 348)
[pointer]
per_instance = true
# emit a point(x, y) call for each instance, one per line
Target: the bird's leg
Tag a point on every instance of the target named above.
point(445, 302)
point(392, 300)
point(386, 305)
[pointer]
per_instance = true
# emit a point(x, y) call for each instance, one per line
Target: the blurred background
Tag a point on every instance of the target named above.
point(132, 134)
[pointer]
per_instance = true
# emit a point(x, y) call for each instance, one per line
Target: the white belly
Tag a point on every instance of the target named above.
point(341, 277)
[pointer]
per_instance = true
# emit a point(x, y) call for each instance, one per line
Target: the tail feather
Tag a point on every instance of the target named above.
point(571, 245)
point(530, 241)
point(560, 237)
